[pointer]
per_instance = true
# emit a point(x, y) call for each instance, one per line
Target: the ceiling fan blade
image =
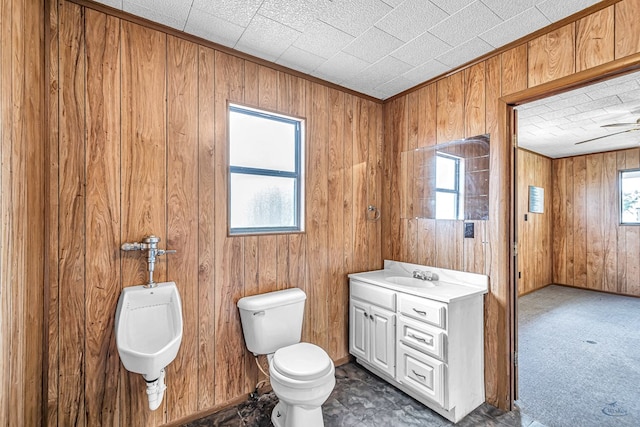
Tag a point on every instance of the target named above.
point(605, 136)
point(615, 125)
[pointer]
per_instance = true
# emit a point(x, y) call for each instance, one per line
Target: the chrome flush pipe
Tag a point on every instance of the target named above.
point(149, 244)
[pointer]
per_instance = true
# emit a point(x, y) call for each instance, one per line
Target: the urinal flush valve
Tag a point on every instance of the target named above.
point(149, 244)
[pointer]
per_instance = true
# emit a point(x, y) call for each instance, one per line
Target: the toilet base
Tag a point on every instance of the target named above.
point(284, 415)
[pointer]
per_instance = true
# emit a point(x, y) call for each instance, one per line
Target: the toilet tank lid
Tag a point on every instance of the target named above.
point(271, 299)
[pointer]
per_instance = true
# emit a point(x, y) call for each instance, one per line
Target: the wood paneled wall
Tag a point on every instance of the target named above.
point(590, 248)
point(466, 103)
point(535, 233)
point(22, 236)
point(139, 132)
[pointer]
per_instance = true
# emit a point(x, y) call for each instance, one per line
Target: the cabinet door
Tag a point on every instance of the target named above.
point(382, 339)
point(358, 329)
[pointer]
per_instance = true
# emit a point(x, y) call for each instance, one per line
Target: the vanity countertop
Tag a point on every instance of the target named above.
point(451, 286)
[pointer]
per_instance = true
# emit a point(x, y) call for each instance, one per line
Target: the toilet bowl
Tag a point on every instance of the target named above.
point(302, 375)
point(149, 332)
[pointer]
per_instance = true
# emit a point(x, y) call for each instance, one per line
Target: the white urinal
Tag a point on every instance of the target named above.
point(149, 333)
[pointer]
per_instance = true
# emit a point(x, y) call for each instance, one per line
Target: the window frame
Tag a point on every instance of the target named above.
point(298, 173)
point(621, 172)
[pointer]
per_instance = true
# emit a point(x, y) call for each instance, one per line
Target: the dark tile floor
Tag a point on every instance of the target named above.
point(361, 399)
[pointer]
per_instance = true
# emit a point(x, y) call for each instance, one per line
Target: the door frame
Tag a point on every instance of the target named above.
point(507, 103)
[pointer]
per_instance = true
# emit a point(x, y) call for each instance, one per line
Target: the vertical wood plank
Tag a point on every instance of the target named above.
point(580, 222)
point(231, 353)
point(35, 245)
point(359, 181)
point(143, 176)
point(206, 229)
point(52, 241)
point(594, 226)
point(317, 202)
point(594, 39)
point(627, 27)
point(427, 125)
point(474, 100)
point(71, 396)
point(374, 181)
point(182, 219)
point(559, 199)
point(570, 224)
point(609, 221)
point(552, 55)
point(450, 108)
point(514, 69)
point(337, 285)
point(102, 217)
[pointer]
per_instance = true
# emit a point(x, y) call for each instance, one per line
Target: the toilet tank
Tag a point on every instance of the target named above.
point(272, 320)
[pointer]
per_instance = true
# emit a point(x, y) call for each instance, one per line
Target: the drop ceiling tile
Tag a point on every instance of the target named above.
point(559, 113)
point(599, 104)
point(392, 87)
point(411, 18)
point(630, 96)
point(426, 71)
point(579, 124)
point(509, 9)
point(605, 90)
point(472, 49)
point(563, 103)
point(240, 12)
point(533, 109)
point(393, 3)
point(452, 6)
point(300, 60)
point(268, 37)
point(379, 73)
point(212, 28)
point(354, 17)
point(421, 49)
point(514, 28)
point(322, 39)
point(342, 66)
point(587, 115)
point(297, 14)
point(555, 10)
point(465, 24)
point(116, 4)
point(166, 12)
point(373, 45)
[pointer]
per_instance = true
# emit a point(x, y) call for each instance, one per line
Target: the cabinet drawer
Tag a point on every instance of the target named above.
point(423, 309)
point(422, 337)
point(373, 294)
point(422, 373)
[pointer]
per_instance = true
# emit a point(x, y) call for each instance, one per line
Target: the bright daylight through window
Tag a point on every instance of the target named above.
point(630, 196)
point(266, 182)
point(449, 200)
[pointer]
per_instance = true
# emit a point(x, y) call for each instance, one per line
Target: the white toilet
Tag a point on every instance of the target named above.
point(302, 374)
point(149, 333)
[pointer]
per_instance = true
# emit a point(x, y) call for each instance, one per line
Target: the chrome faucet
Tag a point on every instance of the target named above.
point(149, 244)
point(424, 275)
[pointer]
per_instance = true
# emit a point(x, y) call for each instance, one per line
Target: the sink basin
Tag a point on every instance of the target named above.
point(410, 282)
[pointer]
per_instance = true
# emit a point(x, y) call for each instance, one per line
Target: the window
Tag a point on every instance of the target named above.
point(265, 172)
point(630, 197)
point(449, 198)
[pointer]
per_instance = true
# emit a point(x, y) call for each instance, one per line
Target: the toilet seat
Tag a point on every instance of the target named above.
point(302, 362)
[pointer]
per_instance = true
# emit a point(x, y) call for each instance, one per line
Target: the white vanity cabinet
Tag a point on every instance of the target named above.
point(427, 342)
point(372, 327)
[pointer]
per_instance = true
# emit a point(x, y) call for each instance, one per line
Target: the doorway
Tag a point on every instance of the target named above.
point(563, 241)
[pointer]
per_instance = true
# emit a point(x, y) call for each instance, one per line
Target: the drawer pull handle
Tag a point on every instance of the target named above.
point(422, 340)
point(421, 313)
point(418, 375)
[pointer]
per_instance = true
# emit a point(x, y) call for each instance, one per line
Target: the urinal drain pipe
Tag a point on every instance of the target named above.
point(155, 391)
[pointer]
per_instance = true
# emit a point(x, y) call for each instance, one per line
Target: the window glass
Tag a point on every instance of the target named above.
point(630, 196)
point(265, 172)
point(446, 176)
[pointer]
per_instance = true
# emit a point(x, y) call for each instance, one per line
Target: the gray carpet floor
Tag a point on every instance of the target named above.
point(579, 358)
